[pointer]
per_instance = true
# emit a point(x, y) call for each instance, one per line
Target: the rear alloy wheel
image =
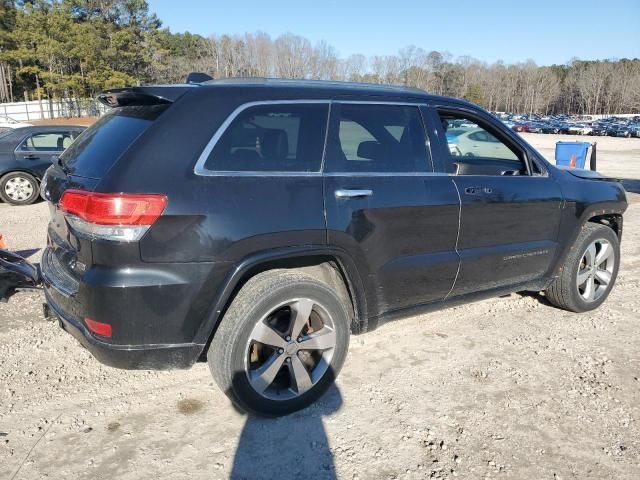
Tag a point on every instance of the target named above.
point(589, 271)
point(19, 188)
point(298, 335)
point(281, 343)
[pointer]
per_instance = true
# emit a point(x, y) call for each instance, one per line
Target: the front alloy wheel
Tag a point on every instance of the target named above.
point(589, 271)
point(596, 270)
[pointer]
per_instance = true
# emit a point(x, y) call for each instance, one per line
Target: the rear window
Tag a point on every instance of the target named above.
point(272, 138)
point(47, 142)
point(98, 148)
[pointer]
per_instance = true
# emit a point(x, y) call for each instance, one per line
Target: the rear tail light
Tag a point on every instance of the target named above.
point(124, 217)
point(99, 328)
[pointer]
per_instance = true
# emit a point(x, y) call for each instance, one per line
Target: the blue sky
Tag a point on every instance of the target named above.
point(512, 30)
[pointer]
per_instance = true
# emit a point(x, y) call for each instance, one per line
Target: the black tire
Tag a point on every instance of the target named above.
point(228, 353)
point(564, 291)
point(28, 182)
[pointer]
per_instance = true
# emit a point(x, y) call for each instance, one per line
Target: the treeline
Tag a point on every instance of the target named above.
point(77, 48)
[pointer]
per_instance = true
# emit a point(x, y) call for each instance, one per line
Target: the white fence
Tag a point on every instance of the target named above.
point(47, 109)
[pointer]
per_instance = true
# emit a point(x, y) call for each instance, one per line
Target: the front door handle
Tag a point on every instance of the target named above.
point(478, 190)
point(356, 193)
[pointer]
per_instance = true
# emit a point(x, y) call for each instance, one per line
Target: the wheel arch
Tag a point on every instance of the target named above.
point(9, 171)
point(609, 215)
point(612, 220)
point(333, 266)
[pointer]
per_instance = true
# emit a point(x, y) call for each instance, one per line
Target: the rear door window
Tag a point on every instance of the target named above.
point(44, 142)
point(272, 138)
point(377, 138)
point(94, 152)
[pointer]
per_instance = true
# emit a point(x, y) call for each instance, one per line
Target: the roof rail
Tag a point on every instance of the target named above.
point(316, 83)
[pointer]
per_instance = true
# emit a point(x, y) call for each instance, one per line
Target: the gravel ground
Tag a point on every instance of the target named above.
point(504, 388)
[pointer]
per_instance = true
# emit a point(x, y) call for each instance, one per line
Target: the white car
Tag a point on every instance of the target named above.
point(476, 143)
point(8, 123)
point(580, 129)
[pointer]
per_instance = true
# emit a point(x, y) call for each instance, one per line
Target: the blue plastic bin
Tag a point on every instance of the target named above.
point(572, 154)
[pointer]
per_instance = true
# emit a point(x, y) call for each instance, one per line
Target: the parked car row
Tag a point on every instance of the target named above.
point(611, 126)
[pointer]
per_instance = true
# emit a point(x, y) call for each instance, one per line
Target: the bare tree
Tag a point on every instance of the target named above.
point(293, 55)
point(610, 86)
point(353, 68)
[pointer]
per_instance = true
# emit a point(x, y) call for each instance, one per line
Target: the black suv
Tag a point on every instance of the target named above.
point(257, 223)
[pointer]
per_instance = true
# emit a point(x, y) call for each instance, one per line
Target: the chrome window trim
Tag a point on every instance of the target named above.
point(256, 173)
point(326, 138)
point(200, 169)
point(44, 152)
point(380, 102)
point(386, 174)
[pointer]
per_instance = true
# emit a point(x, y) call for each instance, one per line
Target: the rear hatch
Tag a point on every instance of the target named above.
point(83, 165)
point(98, 148)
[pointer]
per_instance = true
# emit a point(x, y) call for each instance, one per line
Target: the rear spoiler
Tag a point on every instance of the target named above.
point(138, 96)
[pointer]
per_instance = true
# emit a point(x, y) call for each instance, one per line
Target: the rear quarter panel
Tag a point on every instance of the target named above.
point(211, 222)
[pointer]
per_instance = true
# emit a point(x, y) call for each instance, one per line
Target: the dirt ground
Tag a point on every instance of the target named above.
point(504, 388)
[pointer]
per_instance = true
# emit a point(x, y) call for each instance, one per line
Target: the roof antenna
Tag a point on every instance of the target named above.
point(198, 77)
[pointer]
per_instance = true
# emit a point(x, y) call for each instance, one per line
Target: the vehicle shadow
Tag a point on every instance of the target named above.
point(291, 447)
point(539, 296)
point(631, 185)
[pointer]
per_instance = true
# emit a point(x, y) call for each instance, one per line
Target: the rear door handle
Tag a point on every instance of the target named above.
point(342, 193)
point(478, 190)
point(31, 156)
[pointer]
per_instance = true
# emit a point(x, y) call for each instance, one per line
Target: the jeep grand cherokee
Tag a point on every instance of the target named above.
point(257, 223)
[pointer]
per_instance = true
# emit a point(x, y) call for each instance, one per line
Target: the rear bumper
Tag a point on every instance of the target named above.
point(131, 357)
point(148, 308)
